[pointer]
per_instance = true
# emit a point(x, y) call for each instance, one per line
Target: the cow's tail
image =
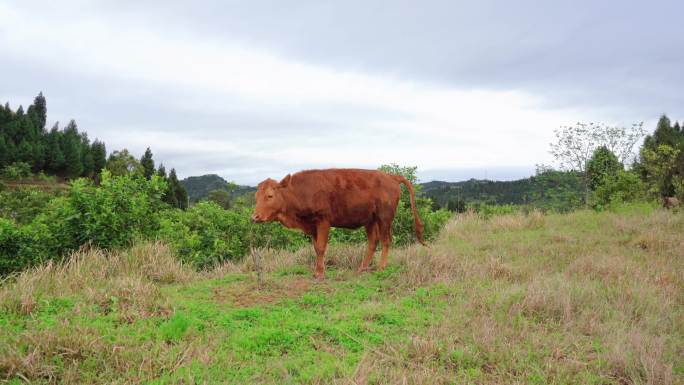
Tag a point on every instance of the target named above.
point(416, 219)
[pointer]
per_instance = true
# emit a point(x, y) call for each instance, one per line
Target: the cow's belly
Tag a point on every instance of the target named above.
point(352, 214)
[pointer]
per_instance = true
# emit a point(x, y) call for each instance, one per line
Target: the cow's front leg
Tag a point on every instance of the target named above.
point(320, 245)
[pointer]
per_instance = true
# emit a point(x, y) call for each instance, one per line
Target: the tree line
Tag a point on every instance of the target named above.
point(26, 146)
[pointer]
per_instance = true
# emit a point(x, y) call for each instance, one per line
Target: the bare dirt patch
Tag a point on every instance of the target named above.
point(251, 294)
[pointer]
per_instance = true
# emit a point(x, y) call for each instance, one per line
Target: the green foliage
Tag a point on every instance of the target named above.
point(147, 163)
point(205, 234)
point(122, 163)
point(220, 197)
point(487, 211)
point(615, 190)
point(659, 167)
point(23, 204)
point(119, 211)
point(199, 187)
point(602, 165)
point(662, 160)
point(99, 153)
point(16, 170)
point(175, 194)
point(12, 240)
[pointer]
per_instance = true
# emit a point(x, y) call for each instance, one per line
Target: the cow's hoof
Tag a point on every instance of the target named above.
point(361, 270)
point(319, 277)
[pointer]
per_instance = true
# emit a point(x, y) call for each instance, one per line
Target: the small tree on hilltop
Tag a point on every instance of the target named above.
point(603, 164)
point(147, 163)
point(575, 145)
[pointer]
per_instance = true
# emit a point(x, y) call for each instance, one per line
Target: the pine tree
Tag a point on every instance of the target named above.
point(161, 171)
point(54, 159)
point(37, 112)
point(86, 157)
point(170, 195)
point(176, 195)
point(3, 152)
point(665, 134)
point(147, 163)
point(99, 153)
point(71, 145)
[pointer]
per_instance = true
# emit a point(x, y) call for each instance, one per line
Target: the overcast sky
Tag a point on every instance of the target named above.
point(257, 89)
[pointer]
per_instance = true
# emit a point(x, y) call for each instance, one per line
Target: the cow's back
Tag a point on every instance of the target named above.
point(344, 197)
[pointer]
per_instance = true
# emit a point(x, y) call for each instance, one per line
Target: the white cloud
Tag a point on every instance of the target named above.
point(399, 120)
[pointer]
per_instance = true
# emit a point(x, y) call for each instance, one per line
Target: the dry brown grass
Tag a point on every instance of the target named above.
point(130, 276)
point(578, 298)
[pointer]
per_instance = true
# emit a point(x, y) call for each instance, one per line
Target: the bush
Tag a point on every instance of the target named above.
point(487, 211)
point(206, 235)
point(23, 204)
point(17, 170)
point(615, 190)
point(117, 212)
point(120, 211)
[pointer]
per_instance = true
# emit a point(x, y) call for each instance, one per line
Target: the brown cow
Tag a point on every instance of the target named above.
point(670, 202)
point(315, 200)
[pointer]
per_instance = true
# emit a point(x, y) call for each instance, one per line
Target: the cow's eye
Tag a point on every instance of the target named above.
point(269, 196)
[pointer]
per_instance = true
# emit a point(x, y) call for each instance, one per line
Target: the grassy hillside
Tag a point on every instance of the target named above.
point(198, 187)
point(595, 298)
point(548, 189)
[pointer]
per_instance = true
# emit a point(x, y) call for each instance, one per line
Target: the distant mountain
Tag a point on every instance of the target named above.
point(551, 189)
point(485, 191)
point(198, 187)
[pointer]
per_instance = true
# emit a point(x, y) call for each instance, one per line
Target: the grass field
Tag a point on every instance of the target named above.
point(590, 298)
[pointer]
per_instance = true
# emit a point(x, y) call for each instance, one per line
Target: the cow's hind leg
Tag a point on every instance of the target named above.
point(372, 232)
point(386, 240)
point(320, 245)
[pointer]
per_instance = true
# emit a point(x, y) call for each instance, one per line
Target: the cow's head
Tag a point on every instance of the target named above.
point(269, 200)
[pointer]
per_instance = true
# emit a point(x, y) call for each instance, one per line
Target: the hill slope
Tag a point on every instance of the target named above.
point(514, 299)
point(198, 187)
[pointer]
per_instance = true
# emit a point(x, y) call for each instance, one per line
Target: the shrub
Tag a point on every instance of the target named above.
point(17, 170)
point(23, 204)
point(487, 211)
point(205, 234)
point(119, 211)
point(615, 190)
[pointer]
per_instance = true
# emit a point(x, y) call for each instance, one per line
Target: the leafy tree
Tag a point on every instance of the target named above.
point(17, 170)
point(457, 205)
point(660, 159)
point(603, 164)
point(147, 164)
point(575, 144)
point(659, 166)
point(220, 197)
point(122, 163)
point(618, 188)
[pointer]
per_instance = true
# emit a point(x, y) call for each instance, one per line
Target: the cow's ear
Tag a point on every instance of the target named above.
point(286, 181)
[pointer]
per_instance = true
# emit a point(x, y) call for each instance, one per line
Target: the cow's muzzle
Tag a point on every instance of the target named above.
point(256, 218)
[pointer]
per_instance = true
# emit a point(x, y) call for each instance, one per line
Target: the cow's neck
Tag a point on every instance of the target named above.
point(288, 216)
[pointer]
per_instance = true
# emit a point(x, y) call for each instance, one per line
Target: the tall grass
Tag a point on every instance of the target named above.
point(580, 298)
